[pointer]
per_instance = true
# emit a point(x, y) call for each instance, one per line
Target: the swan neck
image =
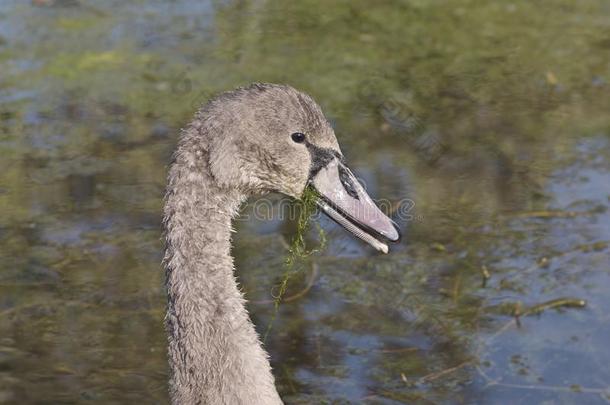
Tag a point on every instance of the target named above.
point(214, 352)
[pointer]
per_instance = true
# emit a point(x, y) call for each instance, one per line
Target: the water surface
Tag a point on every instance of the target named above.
point(491, 117)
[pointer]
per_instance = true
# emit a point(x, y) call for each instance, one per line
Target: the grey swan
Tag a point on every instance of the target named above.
point(249, 141)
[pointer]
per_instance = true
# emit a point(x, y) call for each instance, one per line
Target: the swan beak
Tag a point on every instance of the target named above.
point(343, 199)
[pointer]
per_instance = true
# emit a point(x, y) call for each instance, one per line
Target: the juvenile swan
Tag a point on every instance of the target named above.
point(252, 140)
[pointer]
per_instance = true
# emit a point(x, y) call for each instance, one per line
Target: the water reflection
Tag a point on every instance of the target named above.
point(492, 118)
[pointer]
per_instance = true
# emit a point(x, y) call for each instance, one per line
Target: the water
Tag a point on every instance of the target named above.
point(490, 116)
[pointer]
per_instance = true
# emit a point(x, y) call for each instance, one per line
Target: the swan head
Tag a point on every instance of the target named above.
point(270, 137)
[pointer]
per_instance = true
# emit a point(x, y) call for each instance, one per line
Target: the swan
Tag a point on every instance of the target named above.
point(248, 141)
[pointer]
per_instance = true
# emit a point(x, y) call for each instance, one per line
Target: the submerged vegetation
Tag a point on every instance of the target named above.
point(491, 116)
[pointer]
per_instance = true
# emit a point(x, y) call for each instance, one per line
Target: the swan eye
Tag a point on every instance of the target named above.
point(298, 137)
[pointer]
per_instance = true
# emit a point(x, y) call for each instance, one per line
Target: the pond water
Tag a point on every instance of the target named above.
point(487, 120)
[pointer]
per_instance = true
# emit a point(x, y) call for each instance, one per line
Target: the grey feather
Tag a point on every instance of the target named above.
point(237, 145)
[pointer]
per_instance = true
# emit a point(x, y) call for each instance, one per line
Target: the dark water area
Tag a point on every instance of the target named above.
point(489, 119)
